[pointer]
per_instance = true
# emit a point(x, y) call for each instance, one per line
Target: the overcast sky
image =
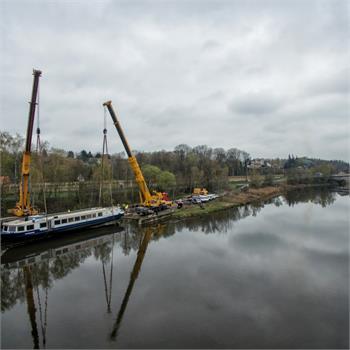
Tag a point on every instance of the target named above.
point(269, 77)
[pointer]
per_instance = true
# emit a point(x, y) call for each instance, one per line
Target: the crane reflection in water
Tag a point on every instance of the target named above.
point(29, 271)
point(147, 234)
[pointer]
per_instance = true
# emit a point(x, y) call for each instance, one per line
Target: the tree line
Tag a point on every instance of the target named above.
point(185, 166)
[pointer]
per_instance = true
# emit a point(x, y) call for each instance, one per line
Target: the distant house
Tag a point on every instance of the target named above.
point(80, 178)
point(259, 163)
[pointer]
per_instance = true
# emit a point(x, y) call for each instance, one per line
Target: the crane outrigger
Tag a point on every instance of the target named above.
point(23, 206)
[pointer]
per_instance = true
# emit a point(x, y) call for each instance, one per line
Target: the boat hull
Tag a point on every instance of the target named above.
point(37, 234)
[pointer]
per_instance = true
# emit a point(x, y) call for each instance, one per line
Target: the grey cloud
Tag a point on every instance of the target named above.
point(210, 45)
point(254, 104)
point(341, 136)
point(259, 243)
point(175, 67)
point(339, 83)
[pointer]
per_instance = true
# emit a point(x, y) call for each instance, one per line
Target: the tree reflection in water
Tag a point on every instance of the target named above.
point(64, 259)
point(28, 274)
point(322, 196)
point(221, 221)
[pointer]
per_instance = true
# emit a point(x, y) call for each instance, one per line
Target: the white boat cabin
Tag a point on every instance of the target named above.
point(60, 220)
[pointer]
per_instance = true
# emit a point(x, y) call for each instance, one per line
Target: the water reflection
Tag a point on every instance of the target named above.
point(107, 279)
point(28, 269)
point(31, 268)
point(55, 259)
point(221, 221)
point(238, 262)
point(147, 235)
point(31, 305)
point(322, 196)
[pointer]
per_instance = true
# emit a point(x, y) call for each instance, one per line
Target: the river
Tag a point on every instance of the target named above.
point(272, 275)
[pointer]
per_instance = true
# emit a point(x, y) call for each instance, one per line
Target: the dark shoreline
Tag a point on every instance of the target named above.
point(233, 199)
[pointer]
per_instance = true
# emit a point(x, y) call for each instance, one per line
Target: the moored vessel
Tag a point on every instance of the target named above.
point(41, 225)
point(28, 222)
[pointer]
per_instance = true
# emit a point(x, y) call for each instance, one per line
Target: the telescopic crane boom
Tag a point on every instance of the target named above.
point(147, 199)
point(23, 207)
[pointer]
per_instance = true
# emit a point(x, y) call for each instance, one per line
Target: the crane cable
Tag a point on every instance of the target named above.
point(103, 157)
point(38, 141)
point(37, 148)
point(39, 151)
point(108, 290)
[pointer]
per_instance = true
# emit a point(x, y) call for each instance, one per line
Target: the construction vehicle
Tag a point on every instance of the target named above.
point(23, 206)
point(156, 200)
point(200, 191)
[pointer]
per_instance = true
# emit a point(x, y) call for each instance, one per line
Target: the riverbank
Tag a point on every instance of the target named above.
point(234, 199)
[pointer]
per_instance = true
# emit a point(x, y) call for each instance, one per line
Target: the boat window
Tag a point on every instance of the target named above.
point(88, 216)
point(42, 224)
point(99, 214)
point(83, 217)
point(57, 222)
point(93, 215)
point(20, 228)
point(5, 228)
point(77, 218)
point(70, 219)
point(64, 221)
point(12, 228)
point(30, 227)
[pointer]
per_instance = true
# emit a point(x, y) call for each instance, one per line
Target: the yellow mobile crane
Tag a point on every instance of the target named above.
point(155, 200)
point(200, 191)
point(23, 207)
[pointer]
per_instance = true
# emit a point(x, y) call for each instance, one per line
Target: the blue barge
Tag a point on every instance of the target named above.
point(41, 225)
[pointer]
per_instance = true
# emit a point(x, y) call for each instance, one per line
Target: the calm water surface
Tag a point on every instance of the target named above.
point(272, 276)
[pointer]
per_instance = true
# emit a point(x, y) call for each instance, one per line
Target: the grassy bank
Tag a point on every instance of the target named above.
point(231, 199)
